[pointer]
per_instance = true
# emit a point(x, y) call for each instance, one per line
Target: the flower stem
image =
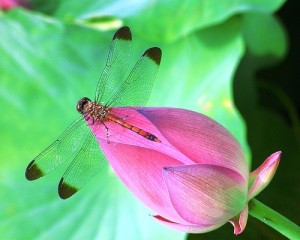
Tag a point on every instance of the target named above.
point(274, 219)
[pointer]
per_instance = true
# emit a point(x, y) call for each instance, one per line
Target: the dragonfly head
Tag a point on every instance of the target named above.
point(83, 105)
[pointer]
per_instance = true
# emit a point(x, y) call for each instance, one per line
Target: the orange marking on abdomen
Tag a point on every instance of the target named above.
point(135, 129)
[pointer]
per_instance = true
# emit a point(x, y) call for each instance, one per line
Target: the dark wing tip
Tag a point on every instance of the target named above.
point(65, 190)
point(154, 53)
point(123, 33)
point(33, 172)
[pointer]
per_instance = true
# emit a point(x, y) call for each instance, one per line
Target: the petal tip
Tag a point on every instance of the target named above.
point(263, 175)
point(239, 222)
point(275, 156)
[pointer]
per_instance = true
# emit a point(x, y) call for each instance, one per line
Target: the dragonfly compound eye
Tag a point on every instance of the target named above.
point(82, 105)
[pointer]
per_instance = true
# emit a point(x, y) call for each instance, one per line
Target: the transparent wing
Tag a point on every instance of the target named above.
point(116, 66)
point(135, 91)
point(60, 151)
point(87, 163)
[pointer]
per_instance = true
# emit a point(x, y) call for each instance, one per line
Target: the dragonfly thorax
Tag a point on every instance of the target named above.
point(93, 110)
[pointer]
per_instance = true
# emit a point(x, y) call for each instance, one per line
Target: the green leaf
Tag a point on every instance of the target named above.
point(255, 26)
point(162, 20)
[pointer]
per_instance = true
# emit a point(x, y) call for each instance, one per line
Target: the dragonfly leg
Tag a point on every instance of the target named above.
point(107, 134)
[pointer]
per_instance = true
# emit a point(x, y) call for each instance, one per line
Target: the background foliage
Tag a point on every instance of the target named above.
point(214, 54)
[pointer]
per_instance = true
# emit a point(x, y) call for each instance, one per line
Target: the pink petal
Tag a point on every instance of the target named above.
point(9, 4)
point(140, 169)
point(198, 137)
point(205, 194)
point(191, 228)
point(263, 175)
point(239, 222)
point(120, 134)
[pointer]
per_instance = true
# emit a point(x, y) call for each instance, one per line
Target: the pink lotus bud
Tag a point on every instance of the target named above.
point(195, 178)
point(9, 4)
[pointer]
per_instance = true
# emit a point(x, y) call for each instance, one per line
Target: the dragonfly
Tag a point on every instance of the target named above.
point(77, 145)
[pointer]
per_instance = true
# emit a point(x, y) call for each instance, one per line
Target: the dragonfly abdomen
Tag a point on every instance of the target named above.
point(135, 129)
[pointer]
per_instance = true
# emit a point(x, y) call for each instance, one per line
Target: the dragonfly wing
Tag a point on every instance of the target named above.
point(136, 89)
point(87, 163)
point(116, 66)
point(63, 149)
